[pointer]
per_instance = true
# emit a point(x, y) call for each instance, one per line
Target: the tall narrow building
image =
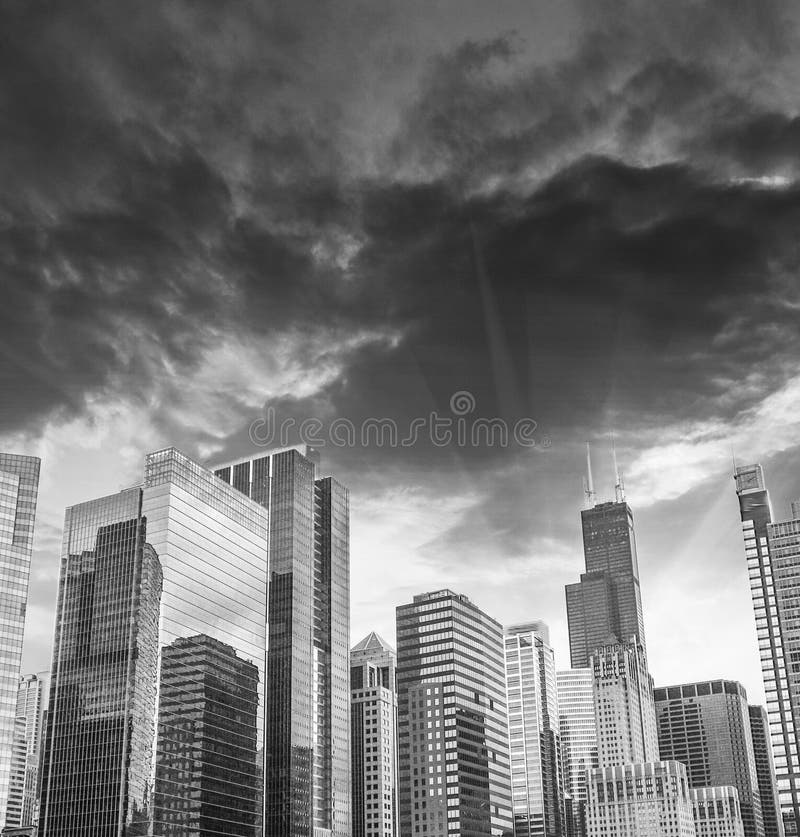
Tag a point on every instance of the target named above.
point(307, 740)
point(765, 771)
point(534, 732)
point(578, 728)
point(373, 731)
point(706, 726)
point(454, 772)
point(19, 487)
point(772, 551)
point(23, 797)
point(160, 646)
point(606, 604)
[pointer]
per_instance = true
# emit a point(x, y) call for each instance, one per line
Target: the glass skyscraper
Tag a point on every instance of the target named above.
point(160, 651)
point(453, 729)
point(578, 728)
point(19, 486)
point(307, 737)
point(765, 771)
point(706, 726)
point(373, 730)
point(606, 604)
point(773, 560)
point(537, 796)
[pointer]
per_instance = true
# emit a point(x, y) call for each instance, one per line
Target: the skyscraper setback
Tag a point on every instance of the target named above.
point(772, 551)
point(19, 486)
point(307, 741)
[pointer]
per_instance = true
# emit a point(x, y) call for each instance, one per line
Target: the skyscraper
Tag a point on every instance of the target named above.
point(706, 726)
point(717, 812)
point(578, 728)
point(23, 793)
point(534, 732)
point(454, 773)
point(19, 486)
point(623, 704)
point(373, 732)
point(150, 578)
point(605, 606)
point(765, 771)
point(307, 740)
point(773, 561)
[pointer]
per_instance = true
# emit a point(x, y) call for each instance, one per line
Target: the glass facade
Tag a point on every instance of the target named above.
point(453, 751)
point(19, 485)
point(765, 771)
point(578, 729)
point(156, 719)
point(606, 605)
point(706, 726)
point(373, 733)
point(533, 732)
point(307, 736)
point(772, 568)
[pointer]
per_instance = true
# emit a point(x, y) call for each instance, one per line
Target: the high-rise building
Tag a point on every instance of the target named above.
point(23, 795)
point(19, 486)
point(152, 577)
point(623, 704)
point(537, 796)
point(606, 604)
point(578, 728)
point(706, 726)
point(373, 731)
point(640, 800)
point(773, 560)
point(307, 740)
point(765, 771)
point(717, 812)
point(454, 772)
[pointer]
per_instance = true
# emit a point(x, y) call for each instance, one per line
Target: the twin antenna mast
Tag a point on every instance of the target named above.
point(588, 481)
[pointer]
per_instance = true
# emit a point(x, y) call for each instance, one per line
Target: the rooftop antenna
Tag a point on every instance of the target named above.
point(588, 482)
point(619, 485)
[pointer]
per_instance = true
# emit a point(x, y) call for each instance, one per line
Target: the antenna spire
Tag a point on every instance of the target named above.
point(588, 482)
point(619, 485)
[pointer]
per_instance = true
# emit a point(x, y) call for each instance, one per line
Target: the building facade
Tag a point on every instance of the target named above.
point(160, 646)
point(773, 556)
point(373, 735)
point(765, 771)
point(307, 741)
point(606, 604)
point(454, 771)
point(623, 704)
point(578, 729)
point(19, 487)
point(706, 726)
point(534, 733)
point(716, 812)
point(23, 795)
point(640, 800)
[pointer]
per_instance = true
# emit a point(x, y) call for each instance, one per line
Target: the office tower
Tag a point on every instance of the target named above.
point(765, 771)
point(578, 728)
point(537, 797)
point(177, 566)
point(454, 773)
point(706, 726)
point(19, 485)
point(605, 606)
point(208, 703)
point(623, 704)
point(373, 736)
point(716, 812)
point(773, 557)
point(307, 740)
point(640, 800)
point(23, 795)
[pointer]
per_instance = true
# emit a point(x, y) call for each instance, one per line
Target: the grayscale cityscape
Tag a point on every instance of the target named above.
point(400, 418)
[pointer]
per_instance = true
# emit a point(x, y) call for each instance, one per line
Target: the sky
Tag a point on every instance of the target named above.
point(580, 215)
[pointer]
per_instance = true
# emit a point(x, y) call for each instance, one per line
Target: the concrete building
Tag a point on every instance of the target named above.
point(716, 812)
